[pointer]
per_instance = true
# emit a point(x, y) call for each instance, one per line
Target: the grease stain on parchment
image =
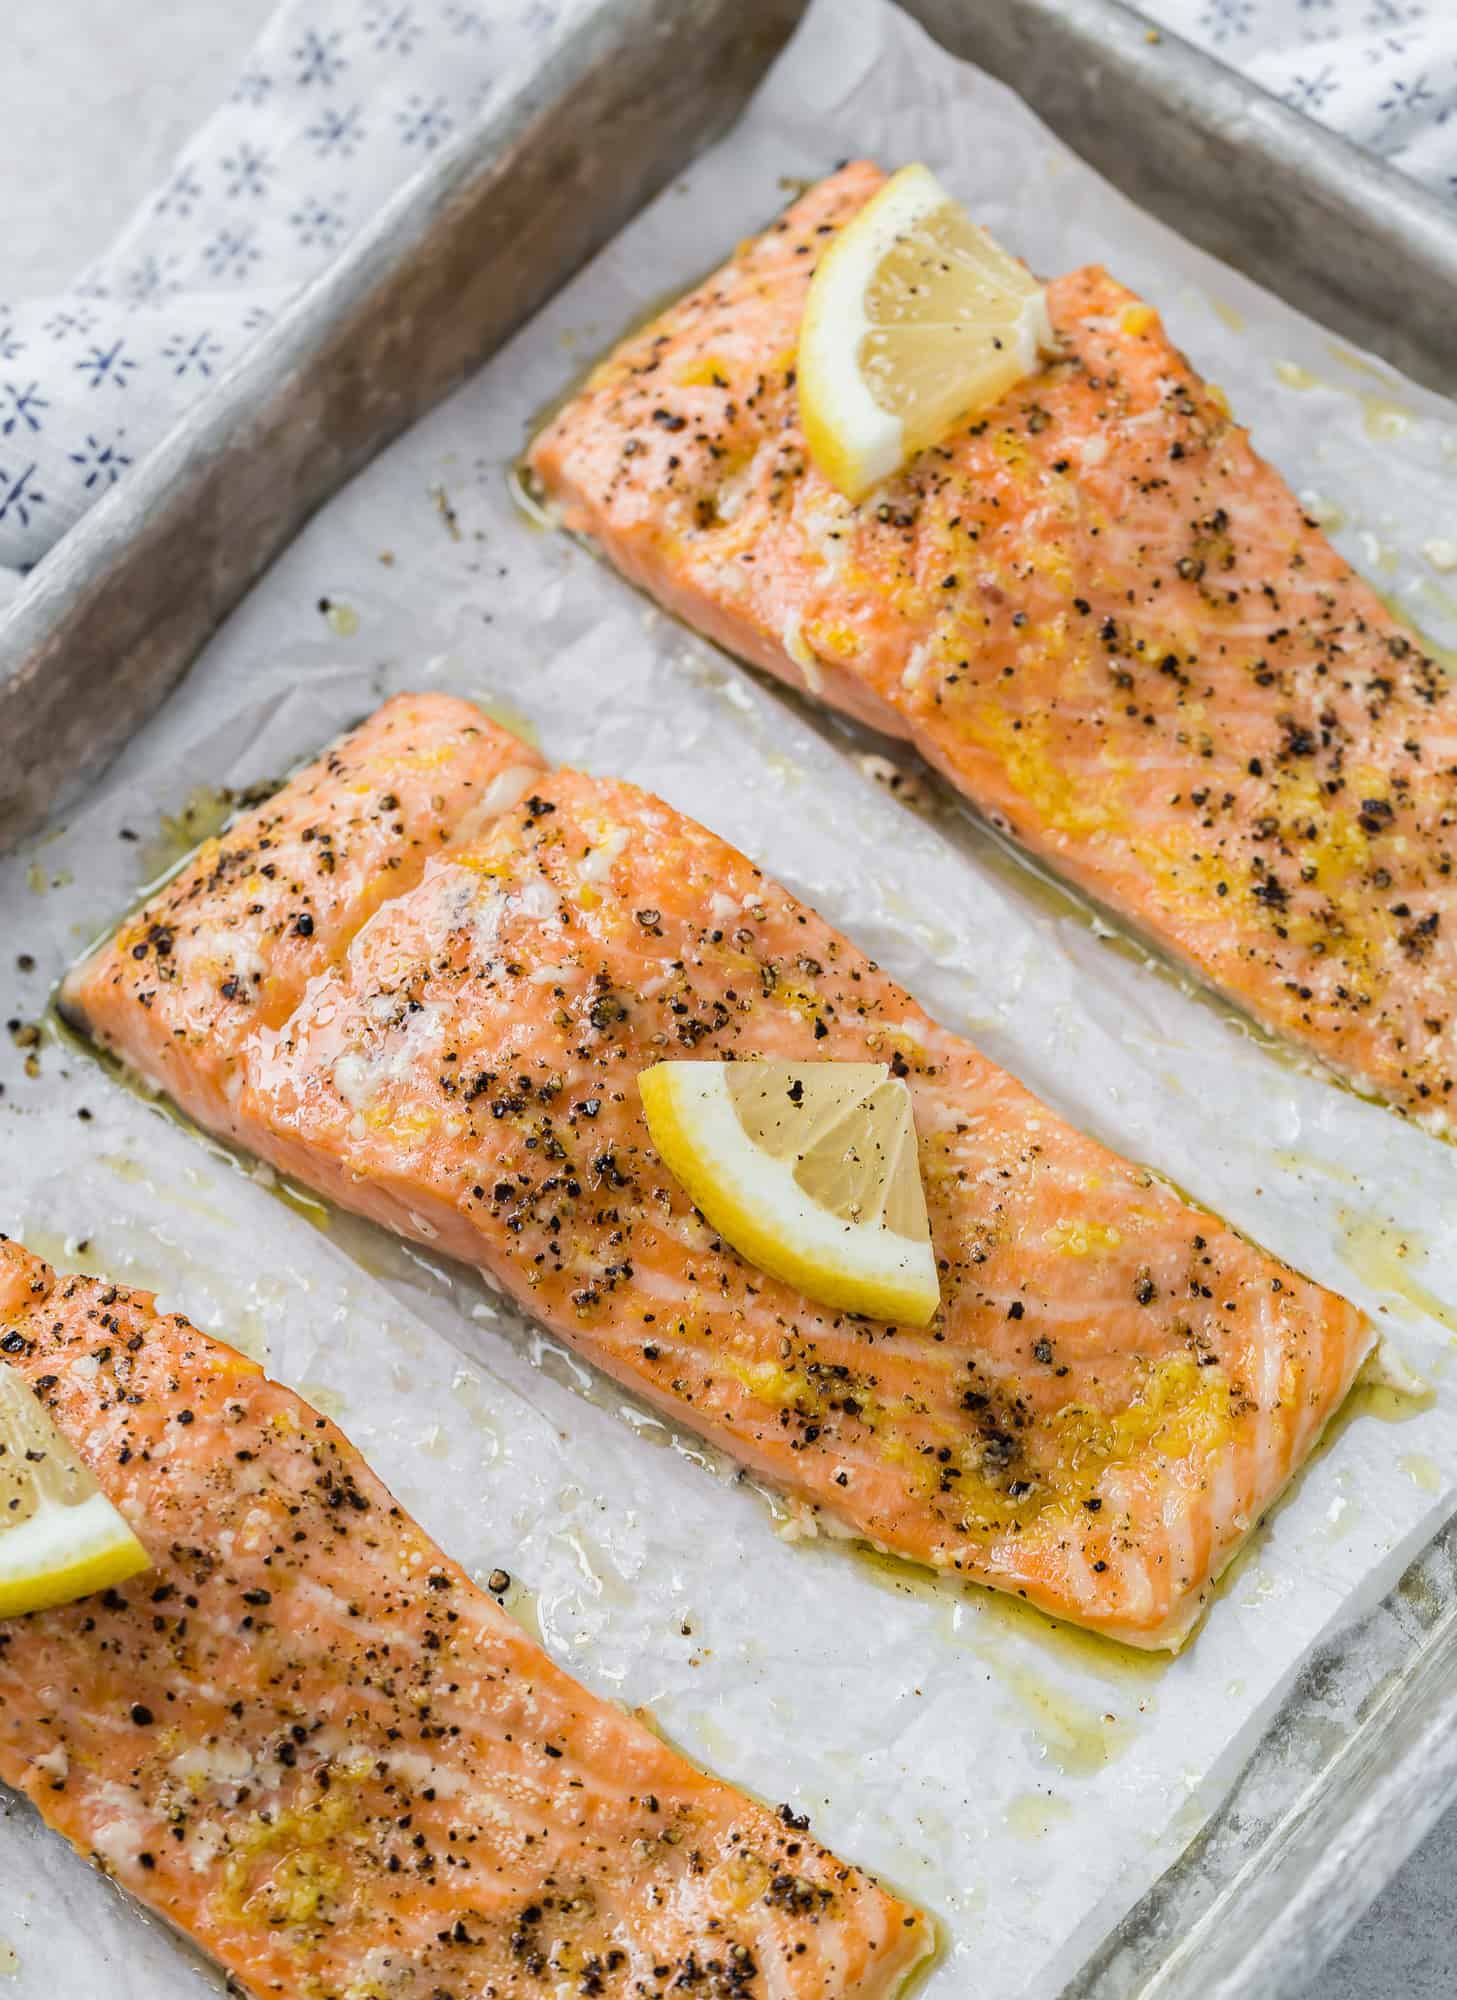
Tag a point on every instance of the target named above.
point(1387, 1258)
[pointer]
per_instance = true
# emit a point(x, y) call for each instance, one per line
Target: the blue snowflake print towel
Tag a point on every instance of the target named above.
point(342, 100)
point(1383, 72)
point(338, 104)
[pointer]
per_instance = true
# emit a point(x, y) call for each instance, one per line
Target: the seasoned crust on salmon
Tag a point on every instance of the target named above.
point(1117, 1384)
point(233, 938)
point(1097, 611)
point(309, 1741)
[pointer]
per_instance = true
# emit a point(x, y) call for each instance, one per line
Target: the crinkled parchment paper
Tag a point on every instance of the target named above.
point(1024, 1785)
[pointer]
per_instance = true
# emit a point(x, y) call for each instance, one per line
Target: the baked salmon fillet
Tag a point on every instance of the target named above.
point(1116, 1385)
point(1096, 610)
point(233, 938)
point(310, 1742)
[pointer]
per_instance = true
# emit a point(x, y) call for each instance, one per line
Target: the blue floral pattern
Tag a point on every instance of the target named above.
point(341, 100)
point(1383, 72)
point(20, 408)
point(101, 463)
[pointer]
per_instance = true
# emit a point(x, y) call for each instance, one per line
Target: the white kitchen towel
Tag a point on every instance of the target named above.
point(341, 100)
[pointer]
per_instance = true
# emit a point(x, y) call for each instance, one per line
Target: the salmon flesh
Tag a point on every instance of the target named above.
point(309, 1741)
point(1097, 611)
point(1116, 1385)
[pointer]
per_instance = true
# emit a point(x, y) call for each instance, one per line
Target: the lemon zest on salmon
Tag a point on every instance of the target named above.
point(737, 1882)
point(1076, 1237)
point(1179, 1408)
point(274, 1875)
point(1033, 771)
point(708, 372)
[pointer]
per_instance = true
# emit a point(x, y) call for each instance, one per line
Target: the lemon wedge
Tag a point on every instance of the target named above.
point(809, 1170)
point(60, 1537)
point(916, 318)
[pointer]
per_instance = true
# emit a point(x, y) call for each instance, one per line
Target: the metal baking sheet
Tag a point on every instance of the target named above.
point(1313, 1825)
point(112, 619)
point(1333, 230)
point(466, 252)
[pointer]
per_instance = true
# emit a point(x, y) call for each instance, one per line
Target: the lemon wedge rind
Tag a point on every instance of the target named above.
point(60, 1537)
point(751, 1185)
point(916, 318)
point(63, 1553)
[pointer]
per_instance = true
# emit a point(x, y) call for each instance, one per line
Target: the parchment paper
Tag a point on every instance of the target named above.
point(1025, 1786)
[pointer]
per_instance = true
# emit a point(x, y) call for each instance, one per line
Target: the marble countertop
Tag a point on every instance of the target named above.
point(95, 97)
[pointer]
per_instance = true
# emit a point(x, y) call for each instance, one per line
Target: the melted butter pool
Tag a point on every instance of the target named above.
point(1033, 1815)
point(1422, 1471)
point(1388, 1258)
point(1077, 1739)
point(204, 812)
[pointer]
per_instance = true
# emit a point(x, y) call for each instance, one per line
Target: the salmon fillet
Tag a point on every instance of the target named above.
point(238, 931)
point(1117, 1383)
point(310, 1742)
point(1096, 610)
